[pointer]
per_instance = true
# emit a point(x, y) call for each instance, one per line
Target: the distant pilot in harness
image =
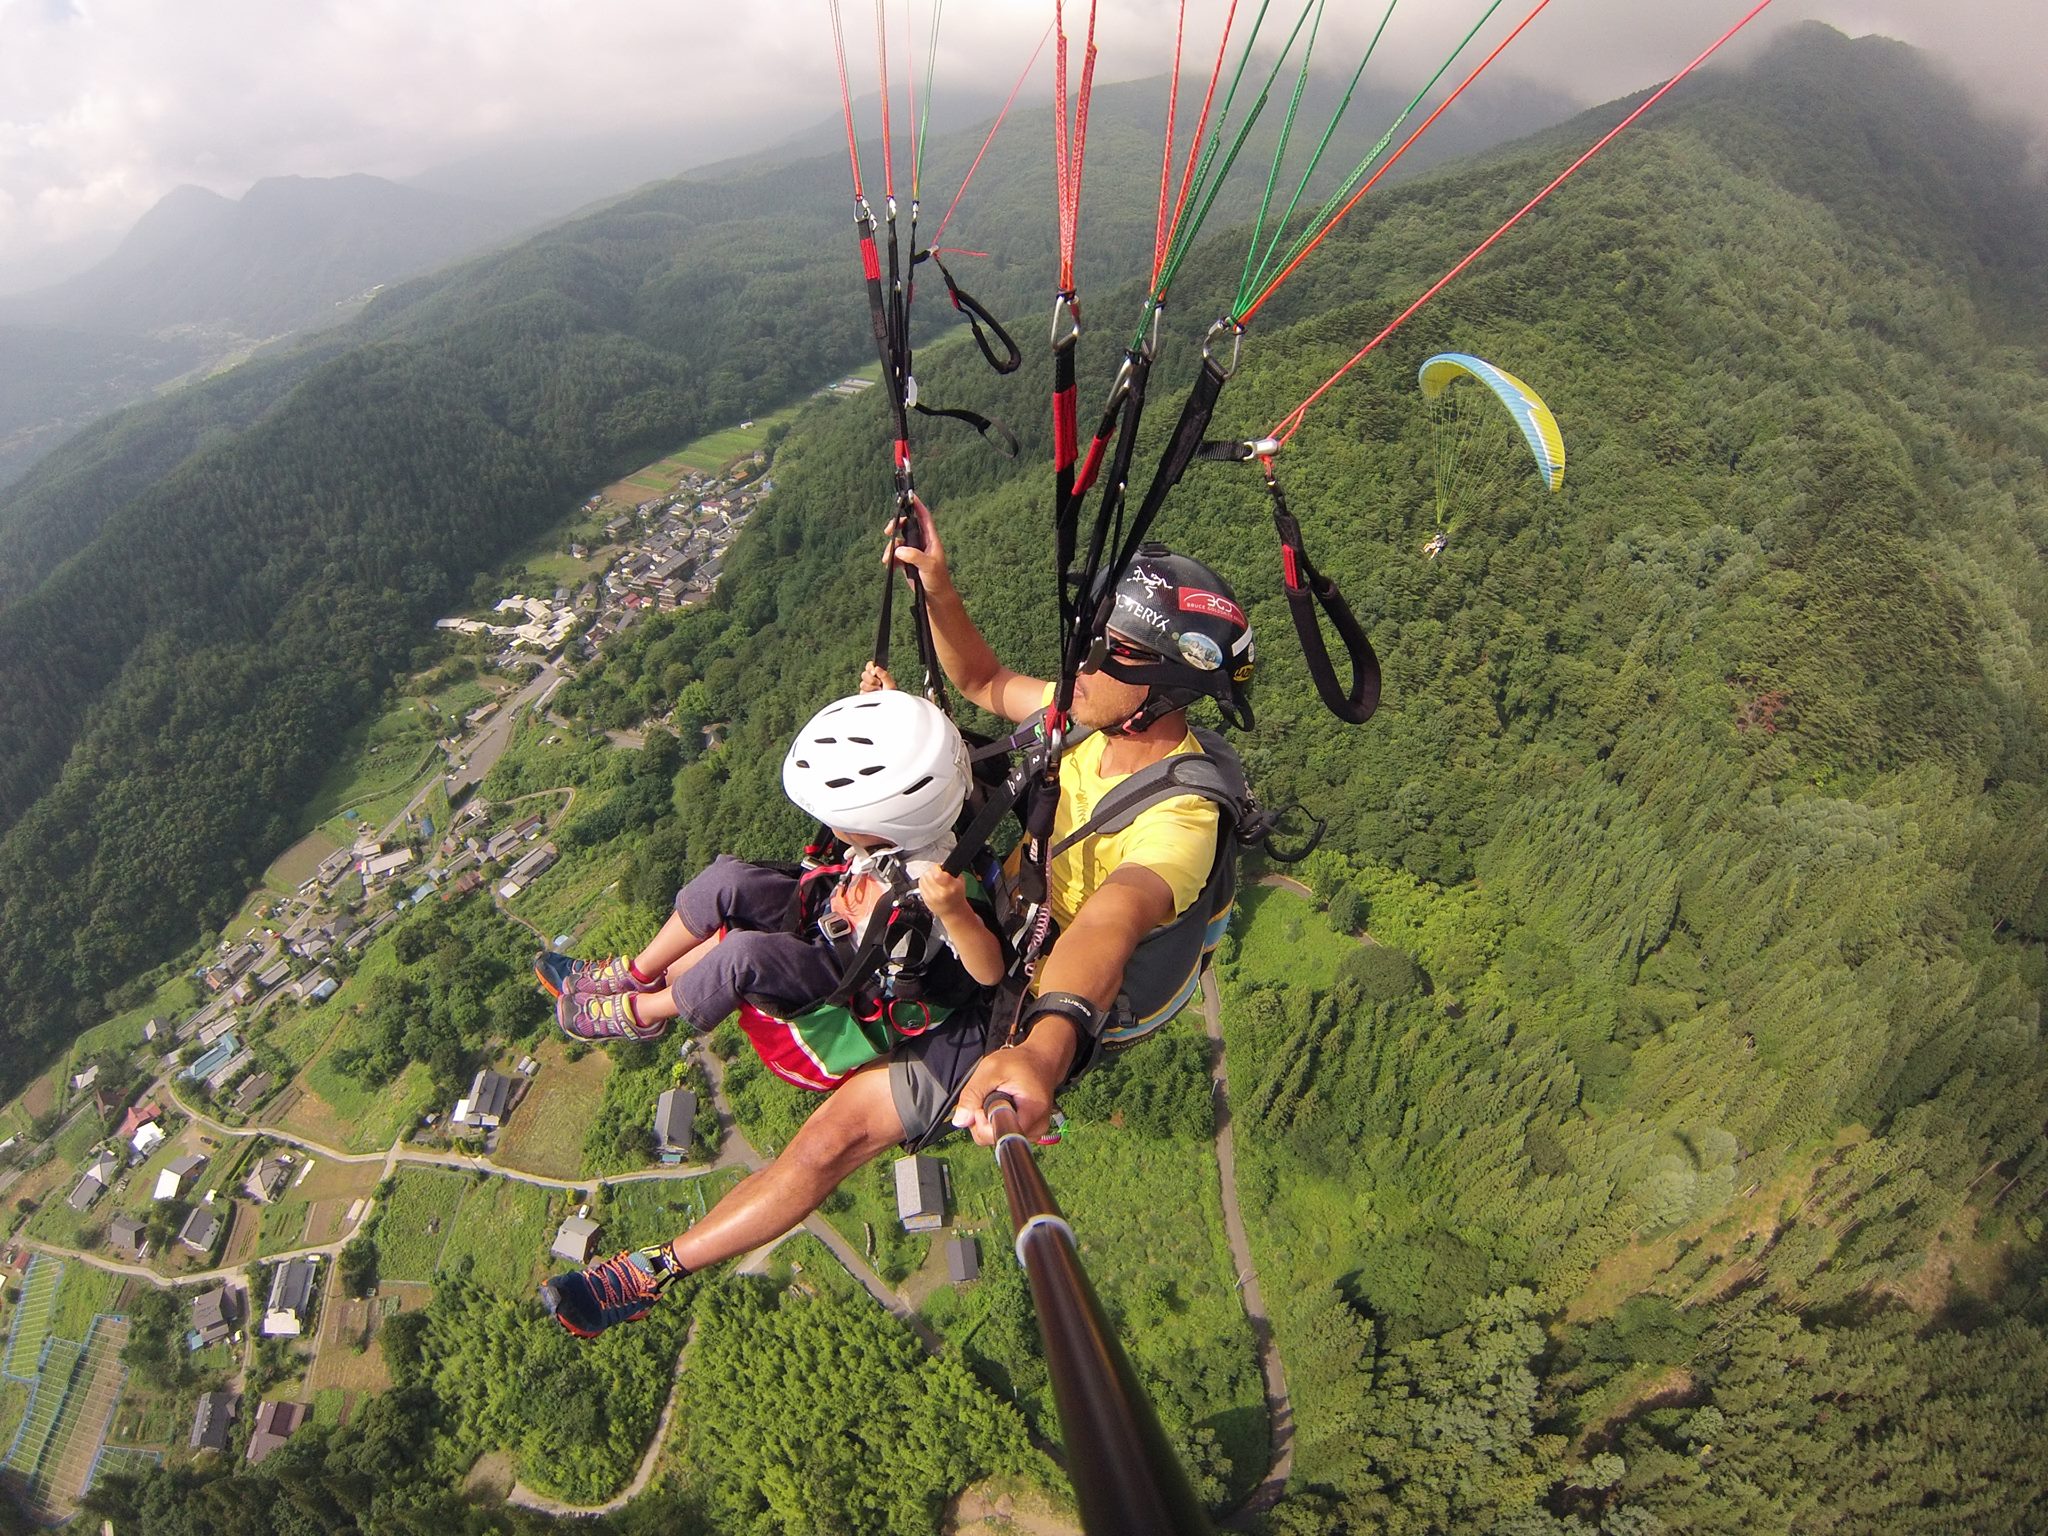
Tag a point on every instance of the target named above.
point(1176, 635)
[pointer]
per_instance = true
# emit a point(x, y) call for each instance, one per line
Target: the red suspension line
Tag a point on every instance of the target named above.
point(888, 145)
point(1287, 271)
point(994, 129)
point(1166, 156)
point(845, 94)
point(1291, 422)
point(1070, 146)
point(1201, 126)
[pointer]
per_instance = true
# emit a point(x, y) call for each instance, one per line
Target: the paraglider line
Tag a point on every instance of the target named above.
point(1291, 423)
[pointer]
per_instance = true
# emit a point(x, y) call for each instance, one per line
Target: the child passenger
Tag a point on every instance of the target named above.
point(887, 772)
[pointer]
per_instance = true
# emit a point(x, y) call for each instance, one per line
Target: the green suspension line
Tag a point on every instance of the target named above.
point(1252, 280)
point(1280, 151)
point(1338, 198)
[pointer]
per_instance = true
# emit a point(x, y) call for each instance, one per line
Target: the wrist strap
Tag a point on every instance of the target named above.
point(1086, 1017)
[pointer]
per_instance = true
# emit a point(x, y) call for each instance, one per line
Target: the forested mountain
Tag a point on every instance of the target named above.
point(203, 595)
point(1673, 1160)
point(202, 279)
point(292, 253)
point(1703, 830)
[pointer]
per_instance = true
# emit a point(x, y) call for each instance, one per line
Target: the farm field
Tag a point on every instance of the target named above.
point(502, 1230)
point(83, 1421)
point(414, 1226)
point(545, 1134)
point(351, 1363)
point(654, 1210)
point(33, 1312)
point(711, 452)
point(63, 1358)
point(328, 1191)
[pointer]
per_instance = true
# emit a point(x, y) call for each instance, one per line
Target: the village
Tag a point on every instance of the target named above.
point(185, 1181)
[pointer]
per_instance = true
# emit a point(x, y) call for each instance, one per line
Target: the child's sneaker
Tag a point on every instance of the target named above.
point(604, 1016)
point(560, 974)
point(622, 1289)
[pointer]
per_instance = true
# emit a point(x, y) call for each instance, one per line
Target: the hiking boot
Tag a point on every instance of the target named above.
point(560, 974)
point(604, 1016)
point(622, 1289)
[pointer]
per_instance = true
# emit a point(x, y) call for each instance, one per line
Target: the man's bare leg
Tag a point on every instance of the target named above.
point(855, 1123)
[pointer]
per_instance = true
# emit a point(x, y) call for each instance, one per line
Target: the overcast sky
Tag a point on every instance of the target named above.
point(105, 105)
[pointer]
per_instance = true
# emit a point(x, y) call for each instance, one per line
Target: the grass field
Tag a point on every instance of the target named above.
point(711, 452)
point(13, 1409)
point(415, 1223)
point(283, 1227)
point(298, 1035)
point(85, 1294)
point(655, 1210)
point(299, 863)
point(575, 893)
point(337, 1110)
point(376, 761)
point(1282, 937)
point(503, 1230)
point(545, 1136)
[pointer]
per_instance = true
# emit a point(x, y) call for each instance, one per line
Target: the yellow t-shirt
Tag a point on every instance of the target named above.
point(1175, 839)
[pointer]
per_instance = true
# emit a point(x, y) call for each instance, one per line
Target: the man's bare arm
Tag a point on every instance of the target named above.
point(970, 665)
point(1088, 959)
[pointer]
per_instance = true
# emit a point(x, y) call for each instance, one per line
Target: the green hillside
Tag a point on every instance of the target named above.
point(199, 598)
point(1687, 1177)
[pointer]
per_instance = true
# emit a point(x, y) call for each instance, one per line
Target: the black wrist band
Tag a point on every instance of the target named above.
point(1086, 1017)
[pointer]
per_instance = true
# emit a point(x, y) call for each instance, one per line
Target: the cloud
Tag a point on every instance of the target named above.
point(105, 105)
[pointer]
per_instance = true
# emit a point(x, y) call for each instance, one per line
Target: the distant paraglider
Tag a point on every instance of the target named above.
point(1475, 452)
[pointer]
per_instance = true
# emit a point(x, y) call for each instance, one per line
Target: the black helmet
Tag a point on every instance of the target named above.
point(1195, 636)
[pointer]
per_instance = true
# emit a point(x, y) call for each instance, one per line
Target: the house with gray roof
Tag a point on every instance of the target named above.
point(290, 1306)
point(213, 1316)
point(920, 1193)
point(124, 1233)
point(675, 1112)
point(574, 1242)
point(212, 1420)
point(201, 1230)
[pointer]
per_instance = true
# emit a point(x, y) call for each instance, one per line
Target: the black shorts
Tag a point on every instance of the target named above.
point(927, 1072)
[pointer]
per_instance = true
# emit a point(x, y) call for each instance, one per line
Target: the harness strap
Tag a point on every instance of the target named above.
point(1308, 589)
point(978, 316)
point(873, 952)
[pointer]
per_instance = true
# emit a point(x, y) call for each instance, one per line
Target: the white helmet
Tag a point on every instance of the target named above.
point(885, 764)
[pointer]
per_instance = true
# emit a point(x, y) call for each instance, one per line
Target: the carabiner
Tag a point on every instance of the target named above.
point(1236, 345)
point(1067, 307)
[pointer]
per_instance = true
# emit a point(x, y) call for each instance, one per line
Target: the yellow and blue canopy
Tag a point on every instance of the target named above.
point(1539, 427)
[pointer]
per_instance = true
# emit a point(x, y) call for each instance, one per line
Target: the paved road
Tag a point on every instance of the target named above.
point(1279, 1407)
point(490, 742)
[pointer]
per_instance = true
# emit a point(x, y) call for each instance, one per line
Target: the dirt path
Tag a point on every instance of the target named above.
point(1279, 1407)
